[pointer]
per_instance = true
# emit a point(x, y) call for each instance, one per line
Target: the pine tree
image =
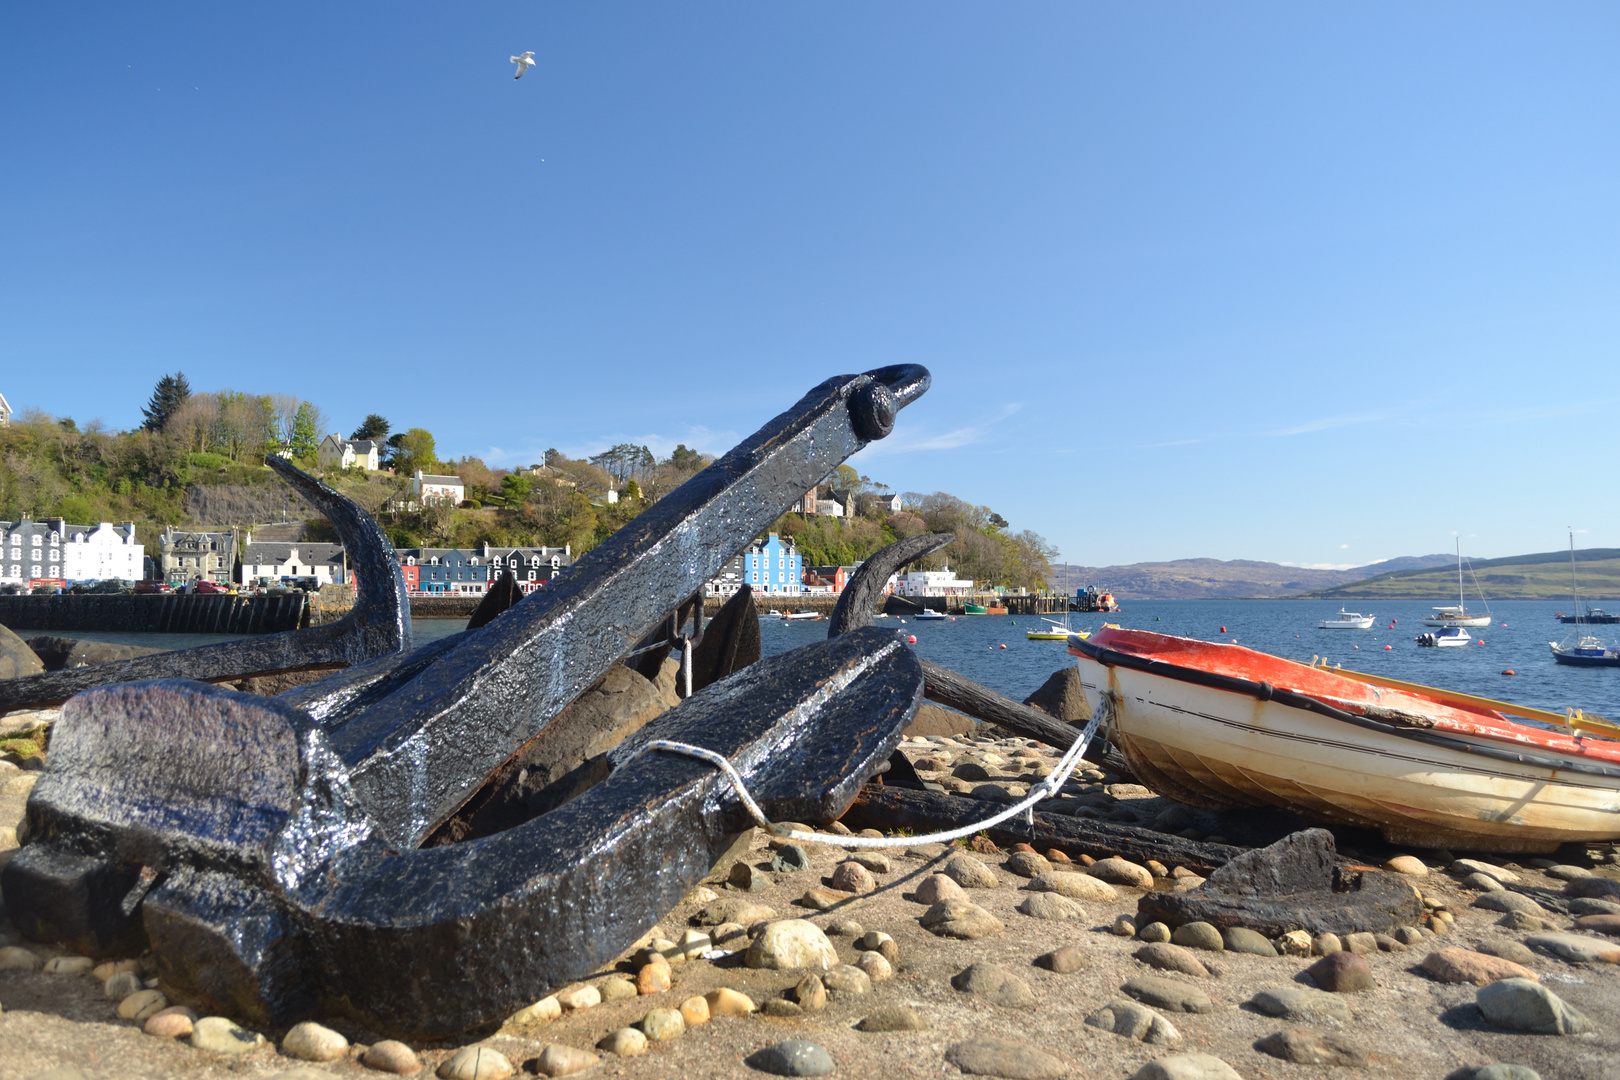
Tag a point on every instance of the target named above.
point(373, 427)
point(171, 391)
point(305, 437)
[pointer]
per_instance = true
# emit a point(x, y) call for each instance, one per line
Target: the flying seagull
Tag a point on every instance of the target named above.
point(524, 63)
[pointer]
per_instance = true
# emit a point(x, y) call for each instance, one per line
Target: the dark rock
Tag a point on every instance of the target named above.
point(59, 653)
point(790, 858)
point(795, 1057)
point(995, 984)
point(1060, 696)
point(934, 719)
point(1064, 960)
point(1341, 973)
point(1594, 887)
point(1305, 1047)
point(1014, 1059)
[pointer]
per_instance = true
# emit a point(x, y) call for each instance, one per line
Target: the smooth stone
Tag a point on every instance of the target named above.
point(747, 877)
point(1168, 994)
point(789, 859)
point(558, 1060)
point(1198, 935)
point(728, 1002)
point(847, 979)
point(1507, 949)
point(845, 928)
point(1362, 944)
point(1240, 939)
point(970, 873)
point(695, 1011)
point(810, 993)
point(995, 984)
point(1341, 973)
point(476, 1063)
point(781, 1008)
point(1593, 888)
point(68, 965)
point(1168, 957)
point(852, 877)
point(876, 966)
point(875, 861)
point(1602, 924)
point(310, 1041)
point(936, 888)
point(1565, 872)
point(926, 851)
point(1524, 922)
point(795, 1057)
point(1117, 871)
point(1310, 1048)
point(651, 979)
point(1501, 1071)
point(879, 942)
point(960, 919)
point(1576, 948)
point(791, 943)
point(701, 895)
point(1074, 885)
point(971, 771)
point(1522, 1005)
point(733, 911)
point(662, 1025)
point(1586, 905)
point(1027, 864)
point(121, 985)
point(1482, 883)
point(222, 1036)
point(1154, 933)
point(1014, 1059)
point(616, 988)
point(142, 1004)
point(821, 898)
point(625, 1042)
point(1408, 935)
point(392, 1056)
point(175, 1022)
point(549, 1008)
point(1133, 1020)
point(1464, 966)
point(727, 934)
point(1475, 866)
point(109, 968)
point(893, 1018)
point(1051, 906)
point(694, 943)
point(1187, 1067)
point(575, 998)
point(1124, 926)
point(1326, 945)
point(1064, 960)
point(1410, 865)
point(1302, 1004)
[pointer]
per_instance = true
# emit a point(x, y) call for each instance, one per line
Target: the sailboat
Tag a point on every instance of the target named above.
point(1458, 616)
point(1581, 650)
point(1057, 631)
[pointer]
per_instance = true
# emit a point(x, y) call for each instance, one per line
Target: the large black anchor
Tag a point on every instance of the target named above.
point(267, 848)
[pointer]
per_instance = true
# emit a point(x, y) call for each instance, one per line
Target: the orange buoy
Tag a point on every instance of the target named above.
point(1510, 671)
point(1223, 629)
point(1356, 647)
point(1004, 646)
point(1388, 647)
point(1392, 622)
point(1234, 641)
point(912, 640)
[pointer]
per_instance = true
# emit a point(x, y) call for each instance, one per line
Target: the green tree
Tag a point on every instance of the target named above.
point(414, 450)
point(171, 391)
point(373, 427)
point(305, 436)
point(514, 489)
point(686, 460)
point(624, 460)
point(632, 491)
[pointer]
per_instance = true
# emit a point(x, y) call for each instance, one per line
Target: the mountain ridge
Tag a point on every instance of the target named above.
point(1229, 579)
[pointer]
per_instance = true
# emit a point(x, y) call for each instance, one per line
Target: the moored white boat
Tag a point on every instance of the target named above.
point(1348, 620)
point(1221, 726)
point(926, 615)
point(1448, 637)
point(1458, 615)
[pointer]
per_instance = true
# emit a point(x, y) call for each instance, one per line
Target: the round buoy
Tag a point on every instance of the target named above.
point(1392, 622)
point(1510, 671)
point(1004, 646)
point(912, 639)
point(953, 618)
point(1234, 641)
point(1388, 647)
point(1356, 647)
point(1223, 629)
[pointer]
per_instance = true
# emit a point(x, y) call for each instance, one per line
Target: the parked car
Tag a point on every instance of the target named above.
point(202, 587)
point(153, 587)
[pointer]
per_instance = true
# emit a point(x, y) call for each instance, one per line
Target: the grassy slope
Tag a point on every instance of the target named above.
point(1543, 576)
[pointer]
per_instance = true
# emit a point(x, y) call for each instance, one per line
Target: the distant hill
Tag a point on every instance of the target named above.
point(1543, 576)
point(1199, 579)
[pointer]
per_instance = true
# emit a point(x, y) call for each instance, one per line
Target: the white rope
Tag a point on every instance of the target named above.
point(1045, 789)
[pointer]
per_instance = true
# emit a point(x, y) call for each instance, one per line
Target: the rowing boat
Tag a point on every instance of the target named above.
point(1220, 726)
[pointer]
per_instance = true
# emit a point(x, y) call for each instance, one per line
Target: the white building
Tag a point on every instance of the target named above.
point(5, 411)
point(323, 562)
point(932, 583)
point(347, 453)
point(102, 553)
point(425, 487)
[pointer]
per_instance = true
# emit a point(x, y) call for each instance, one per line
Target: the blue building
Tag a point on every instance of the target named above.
point(773, 566)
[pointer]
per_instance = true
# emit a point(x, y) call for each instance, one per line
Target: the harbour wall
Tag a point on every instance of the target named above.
point(157, 614)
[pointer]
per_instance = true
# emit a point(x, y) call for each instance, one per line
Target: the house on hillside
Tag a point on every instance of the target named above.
point(103, 553)
point(186, 556)
point(31, 550)
point(326, 563)
point(773, 566)
point(426, 488)
point(825, 500)
point(889, 503)
point(348, 453)
point(5, 411)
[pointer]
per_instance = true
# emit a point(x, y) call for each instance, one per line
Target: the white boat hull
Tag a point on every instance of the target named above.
point(1347, 624)
point(1218, 749)
point(1471, 620)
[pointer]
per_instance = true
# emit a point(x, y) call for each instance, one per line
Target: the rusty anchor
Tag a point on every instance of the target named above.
point(268, 848)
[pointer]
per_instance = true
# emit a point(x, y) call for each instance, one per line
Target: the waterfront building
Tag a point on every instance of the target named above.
point(469, 571)
point(726, 583)
point(532, 567)
point(103, 553)
point(348, 453)
point(32, 550)
point(773, 566)
point(326, 563)
point(5, 411)
point(933, 583)
point(185, 557)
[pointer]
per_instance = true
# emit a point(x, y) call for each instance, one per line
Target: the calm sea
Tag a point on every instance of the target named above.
point(1516, 640)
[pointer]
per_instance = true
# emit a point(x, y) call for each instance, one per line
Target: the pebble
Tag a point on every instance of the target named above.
point(1566, 872)
point(1408, 935)
point(616, 988)
point(995, 984)
point(726, 932)
point(576, 998)
point(662, 1025)
point(1157, 868)
point(795, 1057)
point(733, 911)
point(1586, 905)
point(1302, 1003)
point(1186, 1067)
point(175, 1022)
point(1523, 921)
point(1133, 1020)
point(1576, 948)
point(1310, 1048)
point(879, 942)
point(875, 861)
point(651, 979)
point(847, 979)
point(1602, 924)
point(700, 895)
point(476, 1063)
point(625, 1042)
point(1124, 926)
point(926, 851)
point(1240, 939)
point(1464, 966)
point(960, 919)
point(852, 877)
point(695, 1011)
point(310, 1041)
point(1198, 935)
point(1341, 973)
point(1045, 905)
point(1522, 1005)
point(391, 1056)
point(780, 1008)
point(876, 966)
point(109, 968)
point(893, 1018)
point(1361, 944)
point(1507, 949)
point(821, 898)
point(791, 943)
point(68, 965)
point(1014, 1059)
point(970, 873)
point(1410, 865)
point(1075, 886)
point(1295, 943)
point(728, 1002)
point(847, 927)
point(222, 1036)
point(558, 1060)
point(1326, 944)
point(971, 771)
point(1169, 994)
point(694, 943)
point(790, 858)
point(1027, 864)
point(1474, 866)
point(1064, 960)
point(747, 877)
point(810, 993)
point(1167, 957)
point(1482, 883)
point(142, 1005)
point(1154, 933)
point(1119, 871)
point(121, 985)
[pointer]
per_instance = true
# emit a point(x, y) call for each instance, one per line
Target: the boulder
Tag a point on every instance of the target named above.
point(16, 658)
point(1061, 697)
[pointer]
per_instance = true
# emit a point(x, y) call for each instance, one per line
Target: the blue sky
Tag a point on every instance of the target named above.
point(1265, 281)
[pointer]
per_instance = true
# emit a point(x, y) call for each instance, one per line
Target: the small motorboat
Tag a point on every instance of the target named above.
point(1583, 650)
point(791, 616)
point(1220, 726)
point(1444, 638)
point(974, 609)
point(926, 615)
point(1348, 620)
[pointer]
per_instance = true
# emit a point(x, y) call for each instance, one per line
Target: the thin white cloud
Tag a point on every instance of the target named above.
point(1330, 423)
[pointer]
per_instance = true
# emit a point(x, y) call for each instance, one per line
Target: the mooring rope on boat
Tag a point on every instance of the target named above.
point(1045, 789)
